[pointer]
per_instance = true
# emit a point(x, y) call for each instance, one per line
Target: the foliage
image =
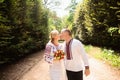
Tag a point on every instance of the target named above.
point(98, 22)
point(23, 28)
point(51, 4)
point(111, 57)
point(54, 22)
point(106, 55)
point(70, 18)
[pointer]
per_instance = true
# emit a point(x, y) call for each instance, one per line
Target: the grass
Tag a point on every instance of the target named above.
point(104, 54)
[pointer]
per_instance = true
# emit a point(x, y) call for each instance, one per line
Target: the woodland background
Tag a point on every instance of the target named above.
point(25, 25)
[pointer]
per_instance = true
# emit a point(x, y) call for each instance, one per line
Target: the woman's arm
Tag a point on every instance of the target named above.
point(47, 54)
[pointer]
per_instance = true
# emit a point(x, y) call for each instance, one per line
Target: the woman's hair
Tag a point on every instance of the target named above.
point(53, 33)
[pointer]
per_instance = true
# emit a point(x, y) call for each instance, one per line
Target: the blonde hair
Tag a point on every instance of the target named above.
point(53, 33)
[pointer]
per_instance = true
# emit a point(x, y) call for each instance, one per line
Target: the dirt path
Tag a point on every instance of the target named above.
point(19, 68)
point(102, 71)
point(39, 70)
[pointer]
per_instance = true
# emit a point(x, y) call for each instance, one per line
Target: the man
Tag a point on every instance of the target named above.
point(75, 54)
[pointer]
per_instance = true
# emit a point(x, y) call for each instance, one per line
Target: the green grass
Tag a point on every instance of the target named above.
point(104, 54)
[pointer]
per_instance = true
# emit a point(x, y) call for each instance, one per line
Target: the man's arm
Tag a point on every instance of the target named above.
point(85, 59)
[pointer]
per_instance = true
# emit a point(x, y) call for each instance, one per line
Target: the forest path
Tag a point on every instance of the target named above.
point(35, 68)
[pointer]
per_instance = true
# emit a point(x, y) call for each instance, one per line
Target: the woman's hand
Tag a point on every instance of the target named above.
point(55, 60)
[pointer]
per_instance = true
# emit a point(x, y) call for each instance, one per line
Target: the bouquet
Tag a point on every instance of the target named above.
point(59, 54)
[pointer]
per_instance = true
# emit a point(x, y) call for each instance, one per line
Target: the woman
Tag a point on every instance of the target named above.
point(57, 71)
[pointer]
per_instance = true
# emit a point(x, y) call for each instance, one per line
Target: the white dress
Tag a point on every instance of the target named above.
point(57, 69)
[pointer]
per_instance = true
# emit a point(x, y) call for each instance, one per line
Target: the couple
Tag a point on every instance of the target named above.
point(74, 56)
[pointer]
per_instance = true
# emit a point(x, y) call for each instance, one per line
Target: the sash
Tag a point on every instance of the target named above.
point(68, 50)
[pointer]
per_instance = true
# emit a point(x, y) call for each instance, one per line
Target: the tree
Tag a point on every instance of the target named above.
point(70, 18)
point(98, 23)
point(54, 21)
point(23, 28)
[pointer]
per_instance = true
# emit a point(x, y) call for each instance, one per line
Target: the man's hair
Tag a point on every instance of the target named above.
point(67, 30)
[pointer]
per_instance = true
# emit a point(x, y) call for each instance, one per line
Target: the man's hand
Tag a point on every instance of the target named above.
point(87, 72)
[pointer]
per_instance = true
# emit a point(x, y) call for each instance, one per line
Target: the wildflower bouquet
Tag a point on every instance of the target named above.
point(59, 54)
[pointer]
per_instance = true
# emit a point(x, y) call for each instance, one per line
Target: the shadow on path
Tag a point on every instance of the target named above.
point(19, 68)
